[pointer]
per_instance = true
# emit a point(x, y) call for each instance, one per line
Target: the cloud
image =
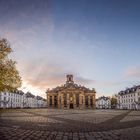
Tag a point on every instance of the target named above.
point(24, 25)
point(84, 81)
point(133, 72)
point(38, 67)
point(108, 83)
point(127, 79)
point(42, 74)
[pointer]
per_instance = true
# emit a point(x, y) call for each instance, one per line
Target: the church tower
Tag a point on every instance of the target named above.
point(69, 79)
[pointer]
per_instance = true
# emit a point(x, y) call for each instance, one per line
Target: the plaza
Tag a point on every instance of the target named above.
point(58, 124)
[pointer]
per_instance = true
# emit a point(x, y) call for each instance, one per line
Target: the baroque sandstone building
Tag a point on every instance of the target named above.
point(71, 96)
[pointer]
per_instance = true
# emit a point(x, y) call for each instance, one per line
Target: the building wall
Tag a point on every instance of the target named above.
point(103, 103)
point(71, 95)
point(129, 100)
point(10, 100)
point(71, 99)
point(15, 100)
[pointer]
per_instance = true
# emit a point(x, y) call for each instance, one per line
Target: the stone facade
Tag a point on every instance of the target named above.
point(71, 96)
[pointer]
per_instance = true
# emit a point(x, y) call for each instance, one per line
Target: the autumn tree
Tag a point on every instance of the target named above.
point(9, 76)
point(114, 101)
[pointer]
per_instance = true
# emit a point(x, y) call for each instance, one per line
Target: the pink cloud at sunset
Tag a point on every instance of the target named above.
point(133, 72)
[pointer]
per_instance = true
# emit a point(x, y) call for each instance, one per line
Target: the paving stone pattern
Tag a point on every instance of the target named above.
point(54, 124)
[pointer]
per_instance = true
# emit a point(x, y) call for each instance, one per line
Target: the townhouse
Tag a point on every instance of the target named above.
point(103, 103)
point(18, 99)
point(129, 98)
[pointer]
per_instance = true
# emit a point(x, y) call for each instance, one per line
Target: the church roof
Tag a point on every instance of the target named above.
point(70, 85)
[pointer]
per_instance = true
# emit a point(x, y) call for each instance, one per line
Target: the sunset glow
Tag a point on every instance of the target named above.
point(96, 41)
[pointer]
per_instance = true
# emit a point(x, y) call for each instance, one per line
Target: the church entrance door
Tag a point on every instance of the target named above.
point(71, 105)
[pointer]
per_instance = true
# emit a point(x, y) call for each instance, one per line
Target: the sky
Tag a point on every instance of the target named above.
point(98, 41)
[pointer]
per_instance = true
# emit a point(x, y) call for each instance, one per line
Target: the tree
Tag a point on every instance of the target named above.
point(113, 101)
point(9, 76)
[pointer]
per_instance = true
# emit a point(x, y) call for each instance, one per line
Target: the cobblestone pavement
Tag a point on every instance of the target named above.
point(53, 124)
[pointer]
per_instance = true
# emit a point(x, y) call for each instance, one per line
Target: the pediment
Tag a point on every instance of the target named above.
point(70, 85)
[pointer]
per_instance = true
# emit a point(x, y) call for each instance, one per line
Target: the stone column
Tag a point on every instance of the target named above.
point(88, 101)
point(80, 101)
point(62, 101)
point(68, 101)
point(52, 100)
point(59, 100)
point(74, 101)
point(83, 101)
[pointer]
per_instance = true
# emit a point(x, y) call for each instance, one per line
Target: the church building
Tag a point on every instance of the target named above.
point(71, 96)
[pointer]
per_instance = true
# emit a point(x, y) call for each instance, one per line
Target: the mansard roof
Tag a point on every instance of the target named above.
point(29, 95)
point(20, 92)
point(103, 97)
point(129, 90)
point(39, 97)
